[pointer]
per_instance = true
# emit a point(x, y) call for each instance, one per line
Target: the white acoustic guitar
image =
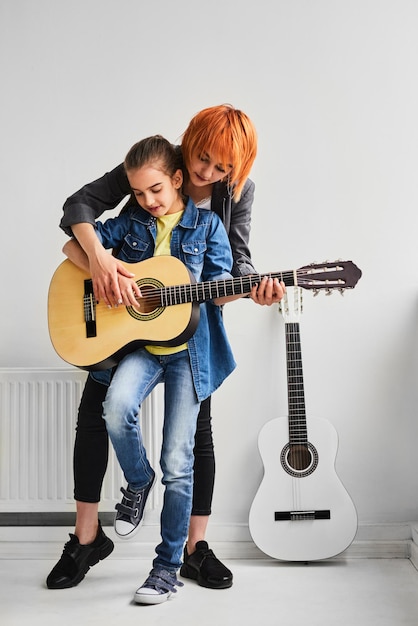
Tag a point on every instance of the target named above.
point(301, 511)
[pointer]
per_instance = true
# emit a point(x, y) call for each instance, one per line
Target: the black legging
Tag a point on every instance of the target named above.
point(92, 447)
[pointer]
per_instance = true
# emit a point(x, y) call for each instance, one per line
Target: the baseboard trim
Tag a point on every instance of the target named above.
point(53, 518)
point(385, 541)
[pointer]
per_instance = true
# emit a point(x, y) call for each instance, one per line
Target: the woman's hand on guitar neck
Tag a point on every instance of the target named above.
point(269, 291)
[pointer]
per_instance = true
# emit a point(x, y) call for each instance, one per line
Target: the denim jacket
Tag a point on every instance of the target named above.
point(200, 241)
point(107, 192)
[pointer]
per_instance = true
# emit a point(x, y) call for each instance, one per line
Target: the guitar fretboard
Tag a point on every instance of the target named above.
point(295, 390)
point(208, 290)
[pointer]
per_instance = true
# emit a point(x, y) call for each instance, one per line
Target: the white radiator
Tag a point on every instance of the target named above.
point(38, 411)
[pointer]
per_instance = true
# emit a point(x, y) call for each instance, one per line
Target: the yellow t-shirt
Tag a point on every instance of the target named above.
point(165, 225)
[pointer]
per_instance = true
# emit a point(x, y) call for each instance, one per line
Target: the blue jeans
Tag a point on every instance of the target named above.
point(135, 377)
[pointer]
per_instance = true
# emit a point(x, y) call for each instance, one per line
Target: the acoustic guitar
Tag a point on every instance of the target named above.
point(91, 336)
point(301, 511)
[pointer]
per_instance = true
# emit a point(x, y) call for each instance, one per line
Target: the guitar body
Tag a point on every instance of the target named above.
point(282, 517)
point(116, 331)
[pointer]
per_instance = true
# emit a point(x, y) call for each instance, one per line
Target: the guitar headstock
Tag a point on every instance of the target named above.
point(291, 312)
point(328, 276)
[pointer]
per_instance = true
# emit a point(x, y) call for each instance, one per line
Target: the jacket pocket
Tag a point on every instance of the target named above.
point(194, 252)
point(133, 249)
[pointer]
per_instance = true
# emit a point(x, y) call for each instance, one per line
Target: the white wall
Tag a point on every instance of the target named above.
point(331, 86)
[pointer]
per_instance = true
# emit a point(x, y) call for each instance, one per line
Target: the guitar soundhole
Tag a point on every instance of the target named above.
point(299, 460)
point(150, 304)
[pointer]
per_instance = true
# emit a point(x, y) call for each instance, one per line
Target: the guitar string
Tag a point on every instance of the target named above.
point(290, 402)
point(154, 296)
point(296, 406)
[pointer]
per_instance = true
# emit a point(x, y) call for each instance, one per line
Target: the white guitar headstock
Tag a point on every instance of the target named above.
point(291, 305)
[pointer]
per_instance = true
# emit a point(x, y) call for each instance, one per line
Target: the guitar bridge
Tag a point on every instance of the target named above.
point(297, 516)
point(89, 309)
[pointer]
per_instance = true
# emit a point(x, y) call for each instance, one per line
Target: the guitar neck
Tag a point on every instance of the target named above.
point(208, 290)
point(295, 389)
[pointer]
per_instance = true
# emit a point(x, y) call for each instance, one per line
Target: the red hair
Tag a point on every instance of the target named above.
point(226, 134)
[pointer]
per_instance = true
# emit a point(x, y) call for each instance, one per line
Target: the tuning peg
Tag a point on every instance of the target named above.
point(315, 292)
point(341, 290)
point(283, 306)
point(328, 292)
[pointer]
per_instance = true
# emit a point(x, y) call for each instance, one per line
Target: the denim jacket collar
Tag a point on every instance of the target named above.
point(189, 218)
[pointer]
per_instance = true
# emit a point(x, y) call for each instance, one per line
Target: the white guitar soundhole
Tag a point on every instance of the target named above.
point(299, 460)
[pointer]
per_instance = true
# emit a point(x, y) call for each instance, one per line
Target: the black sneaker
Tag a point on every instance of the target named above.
point(77, 559)
point(130, 512)
point(205, 568)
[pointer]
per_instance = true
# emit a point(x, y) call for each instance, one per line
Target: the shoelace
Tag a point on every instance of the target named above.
point(162, 581)
point(205, 554)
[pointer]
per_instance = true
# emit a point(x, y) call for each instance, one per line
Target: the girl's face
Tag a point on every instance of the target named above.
point(206, 169)
point(155, 191)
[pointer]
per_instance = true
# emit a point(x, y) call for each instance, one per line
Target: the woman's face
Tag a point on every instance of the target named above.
point(206, 169)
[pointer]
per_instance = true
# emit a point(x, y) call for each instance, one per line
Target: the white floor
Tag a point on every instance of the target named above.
point(345, 592)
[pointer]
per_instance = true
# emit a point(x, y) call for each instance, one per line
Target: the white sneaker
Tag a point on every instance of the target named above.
point(158, 587)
